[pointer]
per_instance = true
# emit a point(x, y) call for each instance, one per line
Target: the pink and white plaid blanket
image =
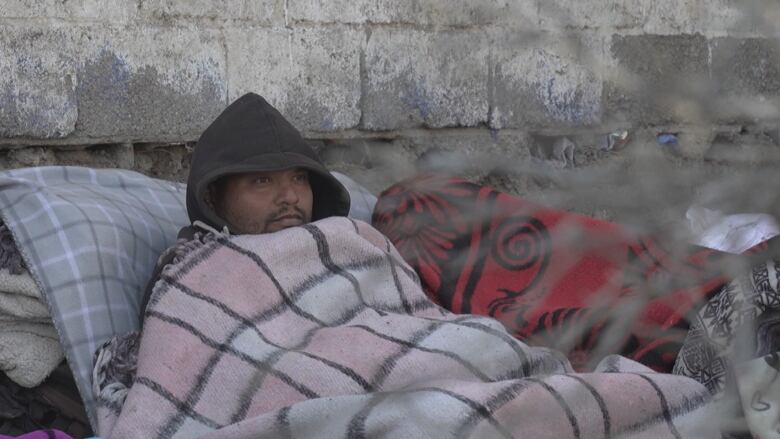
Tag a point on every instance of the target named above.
point(323, 331)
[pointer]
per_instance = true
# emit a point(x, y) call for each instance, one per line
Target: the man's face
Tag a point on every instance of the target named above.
point(264, 202)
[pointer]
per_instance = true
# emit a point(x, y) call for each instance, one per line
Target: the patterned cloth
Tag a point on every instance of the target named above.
point(758, 381)
point(740, 323)
point(324, 331)
point(583, 286)
point(90, 239)
point(42, 434)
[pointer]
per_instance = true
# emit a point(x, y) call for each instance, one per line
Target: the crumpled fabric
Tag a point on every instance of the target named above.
point(10, 257)
point(54, 405)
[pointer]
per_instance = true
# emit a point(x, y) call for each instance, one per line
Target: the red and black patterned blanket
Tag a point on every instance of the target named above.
point(581, 285)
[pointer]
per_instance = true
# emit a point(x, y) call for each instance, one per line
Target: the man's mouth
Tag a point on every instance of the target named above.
point(292, 217)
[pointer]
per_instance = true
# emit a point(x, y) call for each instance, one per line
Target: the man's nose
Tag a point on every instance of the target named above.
point(287, 193)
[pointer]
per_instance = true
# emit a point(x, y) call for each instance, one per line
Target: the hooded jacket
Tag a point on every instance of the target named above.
point(249, 136)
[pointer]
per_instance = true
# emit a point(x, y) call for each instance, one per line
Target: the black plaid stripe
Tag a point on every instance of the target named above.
point(251, 325)
point(526, 365)
point(291, 297)
point(396, 281)
point(298, 291)
point(348, 316)
point(175, 421)
point(687, 405)
point(354, 225)
point(511, 393)
point(283, 423)
point(562, 402)
point(492, 406)
point(165, 430)
point(356, 427)
point(665, 412)
point(323, 250)
point(409, 345)
point(195, 393)
point(410, 273)
point(386, 368)
point(288, 301)
point(224, 348)
point(182, 269)
point(600, 401)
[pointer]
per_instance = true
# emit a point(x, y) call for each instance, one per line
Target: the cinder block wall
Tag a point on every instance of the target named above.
point(382, 89)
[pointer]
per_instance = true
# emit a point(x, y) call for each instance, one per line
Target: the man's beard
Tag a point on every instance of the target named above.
point(284, 213)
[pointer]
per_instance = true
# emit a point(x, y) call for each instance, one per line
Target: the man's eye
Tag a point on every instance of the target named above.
point(262, 180)
point(302, 177)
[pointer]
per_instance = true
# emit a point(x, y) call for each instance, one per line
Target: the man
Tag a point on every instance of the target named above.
point(252, 172)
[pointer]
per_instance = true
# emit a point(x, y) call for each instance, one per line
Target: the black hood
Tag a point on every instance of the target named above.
point(250, 136)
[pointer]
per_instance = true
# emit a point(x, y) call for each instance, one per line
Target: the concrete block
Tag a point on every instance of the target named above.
point(680, 16)
point(37, 83)
point(555, 15)
point(267, 12)
point(149, 83)
point(746, 76)
point(312, 75)
point(547, 80)
point(103, 10)
point(435, 79)
point(423, 12)
point(657, 79)
point(746, 66)
point(758, 17)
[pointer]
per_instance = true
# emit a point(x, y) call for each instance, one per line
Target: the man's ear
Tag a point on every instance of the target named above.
point(211, 196)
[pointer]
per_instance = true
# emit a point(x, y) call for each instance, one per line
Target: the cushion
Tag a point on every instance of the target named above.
point(90, 239)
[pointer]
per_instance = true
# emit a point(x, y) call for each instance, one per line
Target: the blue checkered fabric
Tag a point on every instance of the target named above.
point(91, 239)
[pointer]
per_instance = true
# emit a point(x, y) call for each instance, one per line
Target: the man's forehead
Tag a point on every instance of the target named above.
point(268, 173)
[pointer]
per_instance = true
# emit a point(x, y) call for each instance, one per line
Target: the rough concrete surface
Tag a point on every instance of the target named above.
point(434, 79)
point(423, 12)
point(311, 74)
point(37, 85)
point(658, 79)
point(550, 81)
point(149, 80)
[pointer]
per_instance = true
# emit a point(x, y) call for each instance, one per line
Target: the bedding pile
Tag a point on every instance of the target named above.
point(324, 331)
point(36, 387)
point(89, 239)
point(583, 286)
point(29, 346)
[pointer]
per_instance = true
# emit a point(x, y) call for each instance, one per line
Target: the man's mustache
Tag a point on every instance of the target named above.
point(294, 211)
